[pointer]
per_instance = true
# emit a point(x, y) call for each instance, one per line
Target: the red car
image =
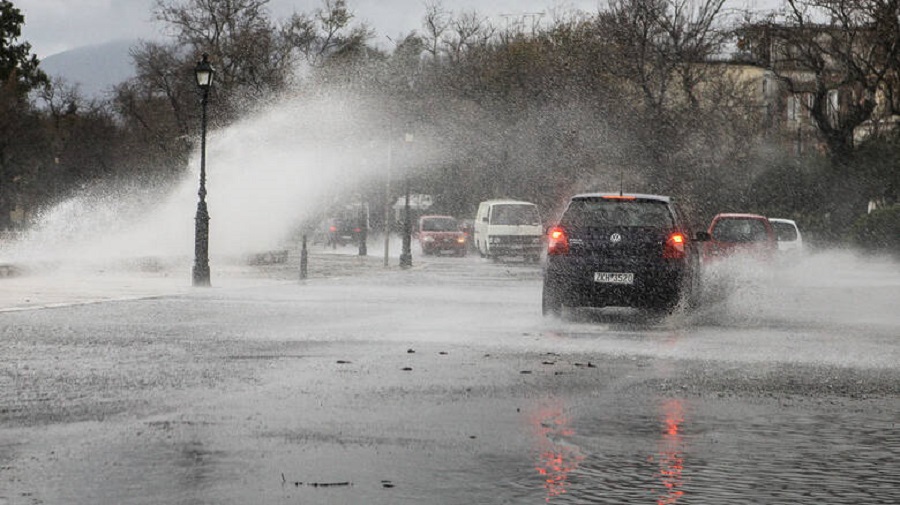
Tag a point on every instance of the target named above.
point(747, 235)
point(439, 234)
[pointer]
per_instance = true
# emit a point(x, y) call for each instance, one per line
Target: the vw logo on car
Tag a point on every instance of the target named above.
point(615, 238)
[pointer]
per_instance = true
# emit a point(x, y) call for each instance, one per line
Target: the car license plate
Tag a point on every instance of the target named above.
point(614, 277)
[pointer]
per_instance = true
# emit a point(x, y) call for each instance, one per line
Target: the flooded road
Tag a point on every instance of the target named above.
point(444, 384)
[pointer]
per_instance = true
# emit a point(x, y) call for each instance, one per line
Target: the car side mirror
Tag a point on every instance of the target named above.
point(702, 236)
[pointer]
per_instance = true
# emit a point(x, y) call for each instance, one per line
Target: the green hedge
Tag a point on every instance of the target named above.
point(879, 231)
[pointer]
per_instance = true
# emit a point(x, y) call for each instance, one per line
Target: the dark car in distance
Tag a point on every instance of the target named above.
point(347, 224)
point(342, 231)
point(621, 250)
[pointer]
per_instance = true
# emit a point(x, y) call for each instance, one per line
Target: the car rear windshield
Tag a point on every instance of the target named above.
point(785, 232)
point(515, 214)
point(603, 212)
point(739, 230)
point(440, 224)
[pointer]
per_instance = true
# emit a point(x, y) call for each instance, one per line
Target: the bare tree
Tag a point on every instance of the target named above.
point(253, 55)
point(659, 52)
point(435, 24)
point(842, 53)
point(663, 43)
point(470, 33)
point(60, 98)
point(157, 101)
point(325, 33)
point(254, 58)
point(250, 55)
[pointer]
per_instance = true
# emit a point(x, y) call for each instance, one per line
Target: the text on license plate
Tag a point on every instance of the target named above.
point(614, 277)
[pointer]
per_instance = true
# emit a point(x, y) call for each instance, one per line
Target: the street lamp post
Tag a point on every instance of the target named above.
point(388, 204)
point(363, 223)
point(406, 254)
point(204, 74)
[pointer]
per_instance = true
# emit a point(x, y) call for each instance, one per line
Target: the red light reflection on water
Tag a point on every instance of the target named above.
point(556, 460)
point(671, 454)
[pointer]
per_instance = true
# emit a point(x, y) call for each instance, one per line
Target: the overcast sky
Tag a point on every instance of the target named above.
point(53, 26)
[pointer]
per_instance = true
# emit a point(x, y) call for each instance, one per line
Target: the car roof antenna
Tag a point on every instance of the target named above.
point(621, 181)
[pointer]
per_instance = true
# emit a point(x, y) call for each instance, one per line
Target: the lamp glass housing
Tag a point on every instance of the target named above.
point(204, 72)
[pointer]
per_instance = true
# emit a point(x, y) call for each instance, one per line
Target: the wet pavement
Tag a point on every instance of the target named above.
point(44, 286)
point(443, 384)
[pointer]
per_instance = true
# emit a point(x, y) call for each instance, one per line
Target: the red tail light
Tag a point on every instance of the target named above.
point(332, 229)
point(357, 230)
point(674, 246)
point(557, 241)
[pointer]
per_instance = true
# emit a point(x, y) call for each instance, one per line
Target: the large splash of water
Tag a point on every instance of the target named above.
point(820, 288)
point(265, 175)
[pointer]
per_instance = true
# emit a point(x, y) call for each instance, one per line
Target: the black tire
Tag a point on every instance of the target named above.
point(551, 303)
point(694, 295)
point(663, 305)
point(690, 295)
point(664, 309)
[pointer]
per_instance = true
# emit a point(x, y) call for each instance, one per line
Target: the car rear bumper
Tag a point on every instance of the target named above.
point(436, 247)
point(516, 249)
point(527, 245)
point(655, 284)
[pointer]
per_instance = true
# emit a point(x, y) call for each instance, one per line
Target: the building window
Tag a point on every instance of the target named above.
point(793, 108)
point(834, 105)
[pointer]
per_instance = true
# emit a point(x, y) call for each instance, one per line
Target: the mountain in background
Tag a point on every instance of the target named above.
point(96, 69)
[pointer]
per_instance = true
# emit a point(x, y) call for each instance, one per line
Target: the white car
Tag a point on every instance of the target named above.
point(790, 240)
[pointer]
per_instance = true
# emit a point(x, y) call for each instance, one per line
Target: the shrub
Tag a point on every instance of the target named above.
point(879, 231)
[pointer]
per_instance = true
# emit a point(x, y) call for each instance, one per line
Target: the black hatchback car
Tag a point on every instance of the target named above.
point(613, 249)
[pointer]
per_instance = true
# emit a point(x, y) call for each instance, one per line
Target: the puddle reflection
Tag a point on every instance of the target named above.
point(557, 459)
point(670, 455)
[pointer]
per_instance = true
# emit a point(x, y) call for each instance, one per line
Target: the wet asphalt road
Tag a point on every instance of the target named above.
point(444, 385)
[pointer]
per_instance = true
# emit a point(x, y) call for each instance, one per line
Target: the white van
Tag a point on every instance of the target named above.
point(508, 228)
